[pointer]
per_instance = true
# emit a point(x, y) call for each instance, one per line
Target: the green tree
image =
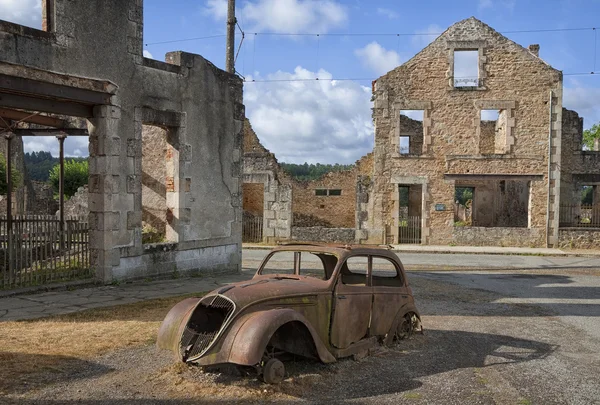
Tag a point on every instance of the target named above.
point(463, 194)
point(587, 195)
point(76, 175)
point(589, 135)
point(16, 176)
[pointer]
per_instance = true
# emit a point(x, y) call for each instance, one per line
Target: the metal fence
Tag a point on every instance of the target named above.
point(252, 229)
point(409, 230)
point(39, 251)
point(579, 216)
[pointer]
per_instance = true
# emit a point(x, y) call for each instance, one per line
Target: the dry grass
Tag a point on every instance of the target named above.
point(55, 343)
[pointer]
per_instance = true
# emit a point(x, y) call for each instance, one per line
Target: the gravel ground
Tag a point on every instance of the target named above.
point(477, 348)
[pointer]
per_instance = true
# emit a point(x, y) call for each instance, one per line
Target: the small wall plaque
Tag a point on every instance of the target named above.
point(440, 207)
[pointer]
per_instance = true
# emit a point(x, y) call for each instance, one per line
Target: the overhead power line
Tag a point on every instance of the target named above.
point(360, 79)
point(350, 34)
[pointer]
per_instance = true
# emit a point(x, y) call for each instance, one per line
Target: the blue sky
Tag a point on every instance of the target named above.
point(330, 121)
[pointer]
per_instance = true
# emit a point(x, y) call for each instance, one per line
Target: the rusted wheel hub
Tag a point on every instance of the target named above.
point(273, 371)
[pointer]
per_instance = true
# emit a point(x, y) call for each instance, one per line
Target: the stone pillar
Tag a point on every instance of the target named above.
point(104, 169)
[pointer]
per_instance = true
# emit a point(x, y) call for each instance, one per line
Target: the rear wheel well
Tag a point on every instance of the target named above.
point(294, 338)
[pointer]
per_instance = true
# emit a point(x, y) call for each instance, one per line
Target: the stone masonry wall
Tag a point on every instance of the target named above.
point(511, 78)
point(340, 210)
point(577, 238)
point(321, 234)
point(579, 167)
point(480, 236)
point(260, 167)
point(101, 67)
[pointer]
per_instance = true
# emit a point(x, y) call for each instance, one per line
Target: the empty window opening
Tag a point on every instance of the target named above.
point(492, 132)
point(158, 183)
point(492, 203)
point(411, 132)
point(584, 209)
point(384, 273)
point(355, 271)
point(328, 192)
point(466, 68)
point(587, 195)
point(28, 13)
point(404, 145)
point(253, 198)
point(463, 206)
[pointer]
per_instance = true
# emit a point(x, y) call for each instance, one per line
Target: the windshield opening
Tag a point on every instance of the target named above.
point(311, 264)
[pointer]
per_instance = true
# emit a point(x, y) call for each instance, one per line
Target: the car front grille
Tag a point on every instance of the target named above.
point(210, 317)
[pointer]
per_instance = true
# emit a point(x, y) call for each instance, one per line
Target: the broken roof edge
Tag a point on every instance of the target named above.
point(58, 78)
point(483, 25)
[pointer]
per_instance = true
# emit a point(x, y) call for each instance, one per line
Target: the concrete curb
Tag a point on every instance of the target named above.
point(472, 250)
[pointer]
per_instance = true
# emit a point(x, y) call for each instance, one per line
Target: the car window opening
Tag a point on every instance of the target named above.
point(287, 264)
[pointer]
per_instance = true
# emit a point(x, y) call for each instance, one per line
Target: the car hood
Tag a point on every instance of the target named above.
point(262, 288)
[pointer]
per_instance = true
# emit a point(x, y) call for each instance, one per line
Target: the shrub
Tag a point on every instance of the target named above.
point(76, 175)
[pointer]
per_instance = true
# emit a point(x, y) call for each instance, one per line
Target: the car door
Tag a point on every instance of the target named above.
point(352, 298)
point(389, 294)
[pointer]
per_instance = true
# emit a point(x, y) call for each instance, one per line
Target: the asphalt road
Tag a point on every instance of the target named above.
point(253, 257)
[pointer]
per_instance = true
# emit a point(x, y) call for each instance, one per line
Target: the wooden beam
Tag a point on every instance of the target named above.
point(12, 84)
point(51, 132)
point(45, 105)
point(26, 116)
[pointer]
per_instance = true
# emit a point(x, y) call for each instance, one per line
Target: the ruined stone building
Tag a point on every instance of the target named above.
point(490, 120)
point(325, 209)
point(472, 147)
point(87, 62)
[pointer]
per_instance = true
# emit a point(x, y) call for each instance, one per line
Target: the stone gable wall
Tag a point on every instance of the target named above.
point(512, 78)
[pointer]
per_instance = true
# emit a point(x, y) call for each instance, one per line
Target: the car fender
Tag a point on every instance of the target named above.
point(171, 328)
point(254, 331)
point(405, 309)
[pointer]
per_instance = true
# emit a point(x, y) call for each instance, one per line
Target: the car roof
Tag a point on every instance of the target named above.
point(339, 248)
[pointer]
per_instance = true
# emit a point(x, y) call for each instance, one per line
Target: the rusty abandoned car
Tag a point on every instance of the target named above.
point(317, 301)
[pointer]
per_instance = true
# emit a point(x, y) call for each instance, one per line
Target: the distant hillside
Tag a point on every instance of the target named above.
point(40, 163)
point(312, 171)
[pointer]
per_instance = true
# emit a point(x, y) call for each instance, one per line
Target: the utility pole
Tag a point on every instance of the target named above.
point(229, 59)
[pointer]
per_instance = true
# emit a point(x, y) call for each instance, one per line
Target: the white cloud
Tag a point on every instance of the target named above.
point(495, 4)
point(389, 13)
point(321, 121)
point(584, 100)
point(483, 4)
point(377, 58)
point(426, 36)
point(290, 16)
point(216, 8)
point(24, 12)
point(147, 54)
point(74, 146)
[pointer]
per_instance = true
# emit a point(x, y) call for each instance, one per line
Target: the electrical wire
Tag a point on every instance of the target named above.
point(350, 34)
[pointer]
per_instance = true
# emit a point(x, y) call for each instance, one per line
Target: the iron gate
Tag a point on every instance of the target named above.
point(409, 230)
point(252, 228)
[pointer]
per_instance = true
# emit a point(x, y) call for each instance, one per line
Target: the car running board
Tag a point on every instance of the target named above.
point(356, 348)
